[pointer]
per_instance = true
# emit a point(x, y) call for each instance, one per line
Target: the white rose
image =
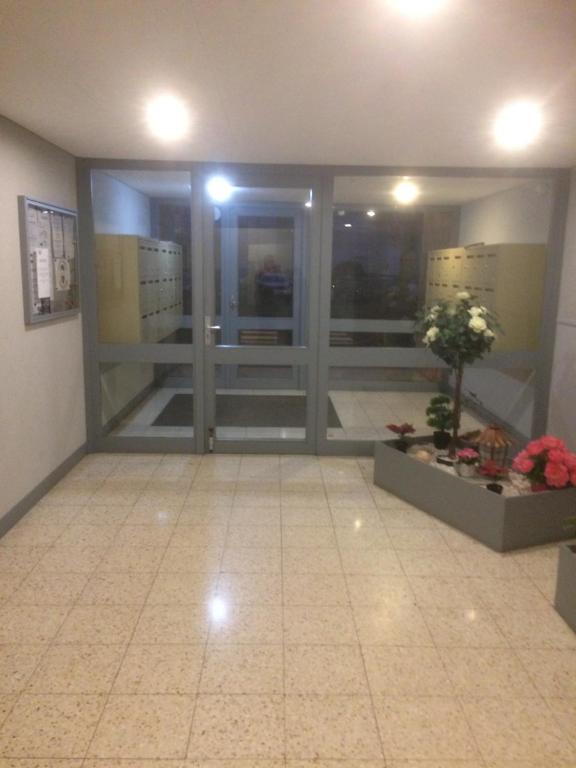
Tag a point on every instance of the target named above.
point(477, 324)
point(431, 334)
point(489, 334)
point(433, 314)
point(463, 295)
point(475, 311)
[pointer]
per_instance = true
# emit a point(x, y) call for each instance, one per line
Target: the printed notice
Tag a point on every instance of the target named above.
point(44, 272)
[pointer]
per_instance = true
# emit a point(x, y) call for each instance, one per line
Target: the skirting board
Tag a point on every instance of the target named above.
point(31, 499)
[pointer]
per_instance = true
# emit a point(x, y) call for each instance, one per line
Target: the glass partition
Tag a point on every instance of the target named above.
point(142, 254)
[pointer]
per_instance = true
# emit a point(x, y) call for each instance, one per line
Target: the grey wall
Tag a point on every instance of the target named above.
point(518, 215)
point(118, 209)
point(42, 419)
point(562, 412)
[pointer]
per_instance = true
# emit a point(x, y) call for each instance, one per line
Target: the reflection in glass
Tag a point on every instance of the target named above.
point(261, 402)
point(142, 255)
point(147, 399)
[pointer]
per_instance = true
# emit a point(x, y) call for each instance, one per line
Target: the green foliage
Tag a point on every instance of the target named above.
point(459, 332)
point(440, 413)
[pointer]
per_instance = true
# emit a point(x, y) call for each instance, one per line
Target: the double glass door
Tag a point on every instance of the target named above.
point(203, 312)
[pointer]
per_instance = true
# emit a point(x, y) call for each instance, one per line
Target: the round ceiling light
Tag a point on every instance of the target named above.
point(219, 189)
point(518, 125)
point(168, 118)
point(406, 192)
point(418, 8)
point(371, 213)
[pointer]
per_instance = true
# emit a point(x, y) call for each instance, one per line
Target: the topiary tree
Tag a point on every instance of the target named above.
point(440, 414)
point(459, 332)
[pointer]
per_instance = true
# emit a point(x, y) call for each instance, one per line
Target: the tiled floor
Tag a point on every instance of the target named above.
point(167, 611)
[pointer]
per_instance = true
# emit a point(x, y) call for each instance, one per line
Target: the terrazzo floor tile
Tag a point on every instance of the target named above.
point(49, 589)
point(50, 726)
point(253, 536)
point(516, 729)
point(552, 671)
point(463, 628)
point(77, 669)
point(20, 560)
point(143, 535)
point(406, 672)
point(303, 560)
point(487, 672)
point(325, 670)
point(30, 624)
point(175, 559)
point(33, 535)
point(371, 562)
point(245, 623)
point(370, 589)
point(331, 727)
point(99, 624)
point(163, 624)
point(17, 663)
point(418, 728)
point(160, 669)
point(60, 559)
point(401, 625)
point(243, 669)
point(143, 727)
point(313, 625)
point(99, 515)
point(315, 589)
point(182, 588)
point(237, 727)
point(116, 589)
point(306, 517)
point(251, 560)
point(444, 592)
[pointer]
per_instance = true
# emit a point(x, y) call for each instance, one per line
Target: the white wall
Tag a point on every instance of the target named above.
point(118, 209)
point(562, 411)
point(518, 215)
point(42, 417)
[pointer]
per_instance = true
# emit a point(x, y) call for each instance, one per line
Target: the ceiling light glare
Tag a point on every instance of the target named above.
point(219, 189)
point(168, 118)
point(518, 125)
point(348, 226)
point(418, 8)
point(371, 213)
point(308, 203)
point(406, 192)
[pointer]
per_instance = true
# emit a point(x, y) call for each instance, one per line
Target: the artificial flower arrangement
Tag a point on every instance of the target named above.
point(401, 430)
point(466, 461)
point(459, 332)
point(547, 463)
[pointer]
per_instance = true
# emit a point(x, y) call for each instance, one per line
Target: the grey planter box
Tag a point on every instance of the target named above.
point(502, 523)
point(565, 600)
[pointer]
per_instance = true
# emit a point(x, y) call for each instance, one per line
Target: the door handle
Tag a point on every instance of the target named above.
point(209, 329)
point(213, 327)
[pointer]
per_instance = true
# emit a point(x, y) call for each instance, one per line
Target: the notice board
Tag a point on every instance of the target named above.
point(49, 244)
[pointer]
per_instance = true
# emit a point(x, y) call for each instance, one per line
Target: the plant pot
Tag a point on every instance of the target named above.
point(495, 487)
point(565, 599)
point(441, 440)
point(465, 470)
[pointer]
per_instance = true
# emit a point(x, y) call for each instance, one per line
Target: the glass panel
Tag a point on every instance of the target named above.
point(259, 241)
point(261, 402)
point(502, 396)
point(142, 253)
point(369, 339)
point(365, 400)
point(147, 399)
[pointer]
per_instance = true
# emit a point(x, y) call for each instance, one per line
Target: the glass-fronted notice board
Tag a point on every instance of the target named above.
point(49, 241)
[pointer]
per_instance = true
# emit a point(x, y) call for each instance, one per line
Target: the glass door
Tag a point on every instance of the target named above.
point(260, 275)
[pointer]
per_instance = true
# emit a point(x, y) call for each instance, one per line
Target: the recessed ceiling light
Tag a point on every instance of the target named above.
point(308, 203)
point(418, 8)
point(219, 189)
point(518, 125)
point(348, 225)
point(406, 192)
point(168, 118)
point(371, 213)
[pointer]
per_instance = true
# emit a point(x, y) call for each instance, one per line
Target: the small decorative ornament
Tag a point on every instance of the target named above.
point(494, 471)
point(423, 455)
point(493, 445)
point(402, 430)
point(466, 460)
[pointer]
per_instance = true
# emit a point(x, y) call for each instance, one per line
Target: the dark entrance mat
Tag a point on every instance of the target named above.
point(245, 411)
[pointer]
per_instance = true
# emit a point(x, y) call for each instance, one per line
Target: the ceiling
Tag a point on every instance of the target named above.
point(292, 81)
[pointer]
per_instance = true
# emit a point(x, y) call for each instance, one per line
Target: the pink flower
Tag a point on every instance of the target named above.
point(556, 475)
point(467, 453)
point(557, 456)
point(570, 461)
point(573, 477)
point(523, 465)
point(549, 443)
point(535, 447)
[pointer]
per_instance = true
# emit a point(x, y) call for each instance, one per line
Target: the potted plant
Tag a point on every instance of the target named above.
point(494, 472)
point(401, 430)
point(441, 418)
point(459, 332)
point(466, 461)
point(547, 463)
point(565, 598)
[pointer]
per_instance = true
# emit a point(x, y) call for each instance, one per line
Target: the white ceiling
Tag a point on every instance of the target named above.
point(296, 81)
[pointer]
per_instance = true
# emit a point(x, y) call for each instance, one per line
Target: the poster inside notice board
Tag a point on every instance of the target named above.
point(49, 239)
